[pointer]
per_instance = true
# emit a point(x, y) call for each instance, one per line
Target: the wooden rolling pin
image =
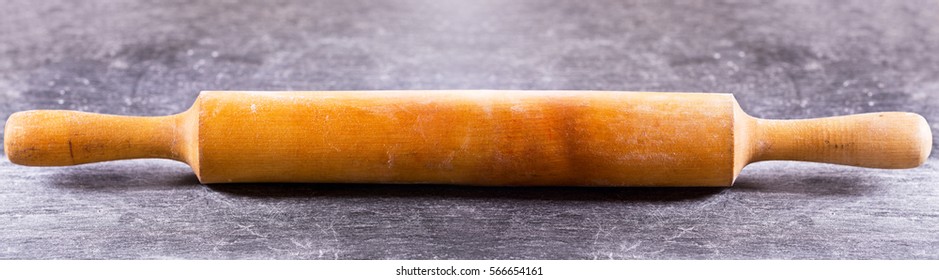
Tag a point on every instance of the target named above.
point(547, 138)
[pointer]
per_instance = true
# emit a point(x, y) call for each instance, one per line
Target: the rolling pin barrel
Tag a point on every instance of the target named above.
point(576, 138)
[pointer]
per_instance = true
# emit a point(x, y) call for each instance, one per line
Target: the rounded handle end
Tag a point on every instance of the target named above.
point(923, 136)
point(38, 138)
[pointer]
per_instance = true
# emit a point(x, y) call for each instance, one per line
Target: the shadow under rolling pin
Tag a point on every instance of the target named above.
point(491, 137)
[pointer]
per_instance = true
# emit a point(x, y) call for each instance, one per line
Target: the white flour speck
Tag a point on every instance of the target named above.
point(119, 64)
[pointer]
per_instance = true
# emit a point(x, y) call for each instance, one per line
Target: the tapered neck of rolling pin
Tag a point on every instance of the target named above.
point(878, 140)
point(57, 138)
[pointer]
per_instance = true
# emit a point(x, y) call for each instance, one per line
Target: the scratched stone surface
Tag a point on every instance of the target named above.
point(782, 59)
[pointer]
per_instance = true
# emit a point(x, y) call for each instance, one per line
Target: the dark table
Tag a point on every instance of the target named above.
point(782, 59)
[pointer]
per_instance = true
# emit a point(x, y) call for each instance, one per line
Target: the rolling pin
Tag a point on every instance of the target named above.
point(541, 138)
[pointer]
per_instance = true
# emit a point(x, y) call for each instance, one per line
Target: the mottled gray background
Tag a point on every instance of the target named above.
point(782, 59)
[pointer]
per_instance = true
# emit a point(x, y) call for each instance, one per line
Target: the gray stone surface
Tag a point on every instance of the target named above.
point(782, 59)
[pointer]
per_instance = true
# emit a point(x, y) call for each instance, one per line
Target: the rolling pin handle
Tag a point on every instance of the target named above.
point(60, 138)
point(879, 140)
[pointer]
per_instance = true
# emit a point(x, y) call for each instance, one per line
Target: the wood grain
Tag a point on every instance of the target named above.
point(498, 138)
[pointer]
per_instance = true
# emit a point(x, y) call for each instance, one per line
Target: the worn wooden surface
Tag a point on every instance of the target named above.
point(783, 59)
